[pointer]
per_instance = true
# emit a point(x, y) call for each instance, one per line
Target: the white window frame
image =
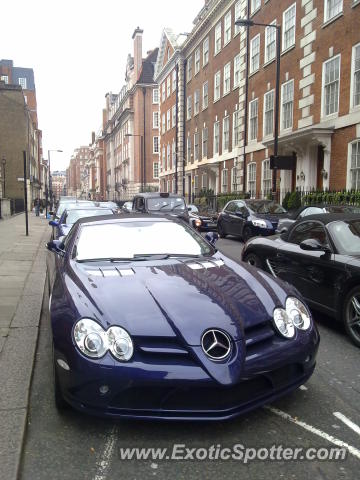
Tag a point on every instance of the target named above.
point(155, 96)
point(189, 107)
point(226, 134)
point(270, 34)
point(23, 82)
point(205, 95)
point(189, 69)
point(163, 92)
point(252, 138)
point(254, 68)
point(188, 149)
point(156, 170)
point(168, 86)
point(216, 142)
point(265, 117)
point(168, 157)
point(251, 178)
point(163, 158)
point(4, 78)
point(237, 71)
point(217, 39)
point(354, 106)
point(156, 119)
point(327, 11)
point(197, 61)
point(196, 102)
point(156, 144)
point(227, 28)
point(237, 15)
point(168, 120)
point(227, 79)
point(204, 140)
point(173, 115)
point(173, 81)
point(224, 180)
point(255, 6)
point(163, 123)
point(349, 184)
point(173, 154)
point(285, 30)
point(206, 51)
point(217, 86)
point(266, 178)
point(234, 184)
point(196, 146)
point(287, 128)
point(236, 129)
point(323, 96)
point(203, 181)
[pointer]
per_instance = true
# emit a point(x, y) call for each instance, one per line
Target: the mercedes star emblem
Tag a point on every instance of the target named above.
point(216, 344)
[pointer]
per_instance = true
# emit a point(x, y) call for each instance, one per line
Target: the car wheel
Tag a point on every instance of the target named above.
point(246, 234)
point(60, 403)
point(253, 260)
point(221, 231)
point(351, 315)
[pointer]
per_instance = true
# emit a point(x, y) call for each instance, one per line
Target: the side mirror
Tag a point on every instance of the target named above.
point(212, 237)
point(55, 246)
point(52, 223)
point(189, 209)
point(313, 245)
point(51, 213)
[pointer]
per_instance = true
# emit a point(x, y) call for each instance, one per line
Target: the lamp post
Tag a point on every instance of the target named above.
point(3, 162)
point(245, 22)
point(142, 162)
point(49, 189)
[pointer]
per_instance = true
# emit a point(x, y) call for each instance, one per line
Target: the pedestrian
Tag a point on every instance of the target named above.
point(37, 206)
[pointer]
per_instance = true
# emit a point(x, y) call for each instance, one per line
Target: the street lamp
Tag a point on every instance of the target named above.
point(245, 22)
point(49, 190)
point(142, 160)
point(3, 161)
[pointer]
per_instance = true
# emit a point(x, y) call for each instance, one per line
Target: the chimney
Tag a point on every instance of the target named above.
point(92, 138)
point(137, 37)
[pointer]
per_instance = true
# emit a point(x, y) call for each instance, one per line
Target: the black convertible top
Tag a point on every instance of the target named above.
point(326, 218)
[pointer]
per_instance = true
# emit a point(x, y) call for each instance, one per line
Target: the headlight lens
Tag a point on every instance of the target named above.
point(93, 341)
point(283, 323)
point(298, 313)
point(259, 223)
point(198, 222)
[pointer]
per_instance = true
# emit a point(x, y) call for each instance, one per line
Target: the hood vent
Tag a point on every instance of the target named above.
point(115, 272)
point(205, 265)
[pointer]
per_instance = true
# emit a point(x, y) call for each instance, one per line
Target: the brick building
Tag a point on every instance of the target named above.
point(77, 173)
point(129, 154)
point(58, 180)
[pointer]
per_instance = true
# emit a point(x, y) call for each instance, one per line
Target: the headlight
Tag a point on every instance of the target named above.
point(298, 312)
point(198, 222)
point(283, 323)
point(93, 341)
point(259, 223)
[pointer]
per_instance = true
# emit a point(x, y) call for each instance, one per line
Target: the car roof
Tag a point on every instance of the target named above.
point(326, 218)
point(158, 195)
point(127, 219)
point(86, 207)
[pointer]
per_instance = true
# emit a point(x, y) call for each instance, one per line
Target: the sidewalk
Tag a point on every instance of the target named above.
point(22, 281)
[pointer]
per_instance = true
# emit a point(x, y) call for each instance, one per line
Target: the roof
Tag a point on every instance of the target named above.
point(147, 69)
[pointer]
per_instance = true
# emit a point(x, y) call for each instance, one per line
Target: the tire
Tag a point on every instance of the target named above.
point(221, 231)
point(254, 260)
point(351, 315)
point(246, 233)
point(60, 403)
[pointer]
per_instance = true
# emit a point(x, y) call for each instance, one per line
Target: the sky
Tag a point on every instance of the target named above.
point(78, 51)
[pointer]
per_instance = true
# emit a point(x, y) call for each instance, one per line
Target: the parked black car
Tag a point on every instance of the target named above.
point(305, 210)
point(320, 256)
point(160, 203)
point(249, 218)
point(202, 220)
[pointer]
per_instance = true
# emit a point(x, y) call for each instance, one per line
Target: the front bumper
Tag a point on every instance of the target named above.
point(182, 390)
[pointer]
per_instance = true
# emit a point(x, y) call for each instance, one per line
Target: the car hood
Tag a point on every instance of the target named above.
point(65, 228)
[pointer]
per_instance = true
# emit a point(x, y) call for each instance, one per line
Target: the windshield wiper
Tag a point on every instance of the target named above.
point(135, 258)
point(177, 206)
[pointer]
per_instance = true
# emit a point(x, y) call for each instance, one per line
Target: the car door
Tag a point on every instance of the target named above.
point(311, 272)
point(227, 216)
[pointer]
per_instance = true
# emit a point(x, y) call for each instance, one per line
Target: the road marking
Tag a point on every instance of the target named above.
point(347, 422)
point(354, 451)
point(103, 463)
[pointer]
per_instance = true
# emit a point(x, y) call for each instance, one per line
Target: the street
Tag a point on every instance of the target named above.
point(71, 445)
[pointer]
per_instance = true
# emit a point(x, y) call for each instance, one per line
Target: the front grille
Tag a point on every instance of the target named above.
point(257, 338)
point(160, 347)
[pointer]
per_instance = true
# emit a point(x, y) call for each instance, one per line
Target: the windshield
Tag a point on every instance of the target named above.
point(265, 207)
point(165, 204)
point(73, 215)
point(125, 240)
point(346, 236)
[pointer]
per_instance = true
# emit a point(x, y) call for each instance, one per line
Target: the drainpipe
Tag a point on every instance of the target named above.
point(176, 127)
point(184, 122)
point(246, 98)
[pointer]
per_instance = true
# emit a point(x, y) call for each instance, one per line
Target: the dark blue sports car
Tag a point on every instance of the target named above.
point(150, 321)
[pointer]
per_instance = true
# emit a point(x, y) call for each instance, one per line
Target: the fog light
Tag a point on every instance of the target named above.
point(104, 389)
point(62, 364)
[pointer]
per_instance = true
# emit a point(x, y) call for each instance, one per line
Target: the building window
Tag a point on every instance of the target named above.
point(331, 80)
point(251, 171)
point(23, 83)
point(173, 110)
point(205, 99)
point(163, 123)
point(255, 54)
point(270, 42)
point(156, 170)
point(216, 137)
point(168, 119)
point(168, 157)
point(196, 146)
point(173, 155)
point(253, 119)
point(168, 86)
point(217, 80)
point(189, 69)
point(237, 16)
point(237, 63)
point(226, 134)
point(332, 8)
point(188, 149)
point(224, 180)
point(268, 113)
point(197, 60)
point(188, 107)
point(163, 158)
point(4, 78)
point(255, 5)
point(196, 102)
point(266, 178)
point(234, 186)
point(203, 181)
point(163, 97)
point(173, 83)
point(155, 119)
point(227, 81)
point(355, 166)
point(204, 142)
point(289, 18)
point(217, 46)
point(227, 28)
point(236, 129)
point(173, 185)
point(355, 76)
point(205, 51)
point(287, 104)
point(155, 144)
